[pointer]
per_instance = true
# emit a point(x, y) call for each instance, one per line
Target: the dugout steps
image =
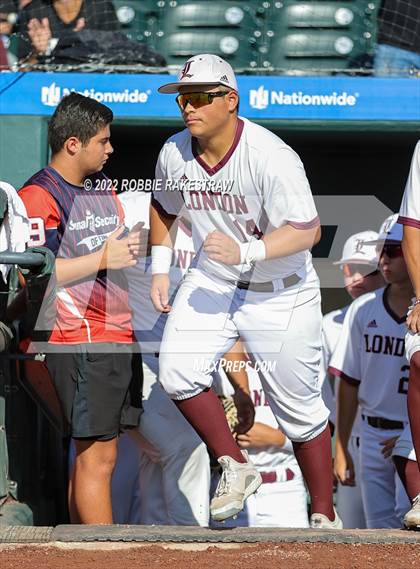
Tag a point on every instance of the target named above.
point(184, 534)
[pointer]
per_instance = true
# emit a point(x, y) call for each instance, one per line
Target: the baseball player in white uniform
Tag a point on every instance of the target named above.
point(254, 222)
point(359, 264)
point(272, 455)
point(410, 218)
point(370, 360)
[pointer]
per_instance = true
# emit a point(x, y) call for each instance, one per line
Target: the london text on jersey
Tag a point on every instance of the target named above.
point(215, 201)
point(387, 345)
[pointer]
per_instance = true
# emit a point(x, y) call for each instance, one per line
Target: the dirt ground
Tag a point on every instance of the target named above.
point(242, 556)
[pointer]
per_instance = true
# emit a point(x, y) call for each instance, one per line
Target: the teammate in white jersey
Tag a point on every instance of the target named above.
point(254, 222)
point(370, 359)
point(359, 263)
point(172, 457)
point(410, 218)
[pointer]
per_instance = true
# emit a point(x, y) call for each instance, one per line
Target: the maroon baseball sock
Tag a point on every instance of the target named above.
point(315, 461)
point(413, 401)
point(409, 473)
point(205, 414)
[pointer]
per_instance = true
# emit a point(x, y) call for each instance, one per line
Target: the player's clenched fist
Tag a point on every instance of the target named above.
point(222, 248)
point(117, 253)
point(159, 292)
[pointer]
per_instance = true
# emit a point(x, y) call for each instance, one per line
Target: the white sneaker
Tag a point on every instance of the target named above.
point(319, 521)
point(237, 482)
point(412, 517)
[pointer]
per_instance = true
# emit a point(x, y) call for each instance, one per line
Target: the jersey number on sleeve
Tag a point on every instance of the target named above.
point(403, 383)
point(36, 232)
point(251, 229)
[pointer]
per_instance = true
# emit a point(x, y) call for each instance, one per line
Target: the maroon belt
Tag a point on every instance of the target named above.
point(271, 476)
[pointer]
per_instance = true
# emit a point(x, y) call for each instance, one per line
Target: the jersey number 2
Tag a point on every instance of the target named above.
point(403, 384)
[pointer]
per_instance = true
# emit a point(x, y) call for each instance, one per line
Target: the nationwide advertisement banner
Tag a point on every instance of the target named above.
point(262, 97)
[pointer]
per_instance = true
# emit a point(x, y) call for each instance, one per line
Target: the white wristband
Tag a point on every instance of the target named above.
point(252, 251)
point(161, 259)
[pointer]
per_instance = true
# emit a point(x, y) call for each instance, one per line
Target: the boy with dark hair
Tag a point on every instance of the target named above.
point(90, 352)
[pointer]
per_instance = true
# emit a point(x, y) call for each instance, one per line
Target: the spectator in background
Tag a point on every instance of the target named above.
point(398, 42)
point(8, 18)
point(43, 22)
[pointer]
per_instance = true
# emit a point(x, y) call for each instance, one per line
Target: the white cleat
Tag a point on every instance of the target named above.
point(237, 482)
point(412, 517)
point(319, 521)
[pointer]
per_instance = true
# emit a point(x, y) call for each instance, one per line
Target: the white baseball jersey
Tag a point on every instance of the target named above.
point(260, 185)
point(147, 322)
point(332, 324)
point(410, 206)
point(371, 352)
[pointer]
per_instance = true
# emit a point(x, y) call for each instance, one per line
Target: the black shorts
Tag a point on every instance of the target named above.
point(99, 387)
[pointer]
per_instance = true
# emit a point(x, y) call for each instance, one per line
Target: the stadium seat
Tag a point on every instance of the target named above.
point(318, 34)
point(225, 27)
point(323, 15)
point(138, 19)
point(221, 14)
point(310, 50)
point(239, 50)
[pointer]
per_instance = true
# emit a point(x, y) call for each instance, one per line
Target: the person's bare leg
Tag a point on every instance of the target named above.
point(74, 516)
point(91, 481)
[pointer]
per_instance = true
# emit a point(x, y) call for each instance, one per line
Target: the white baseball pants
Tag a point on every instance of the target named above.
point(281, 330)
point(412, 344)
point(385, 500)
point(175, 489)
point(404, 445)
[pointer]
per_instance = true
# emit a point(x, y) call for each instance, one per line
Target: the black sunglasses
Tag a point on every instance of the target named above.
point(198, 100)
point(391, 250)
